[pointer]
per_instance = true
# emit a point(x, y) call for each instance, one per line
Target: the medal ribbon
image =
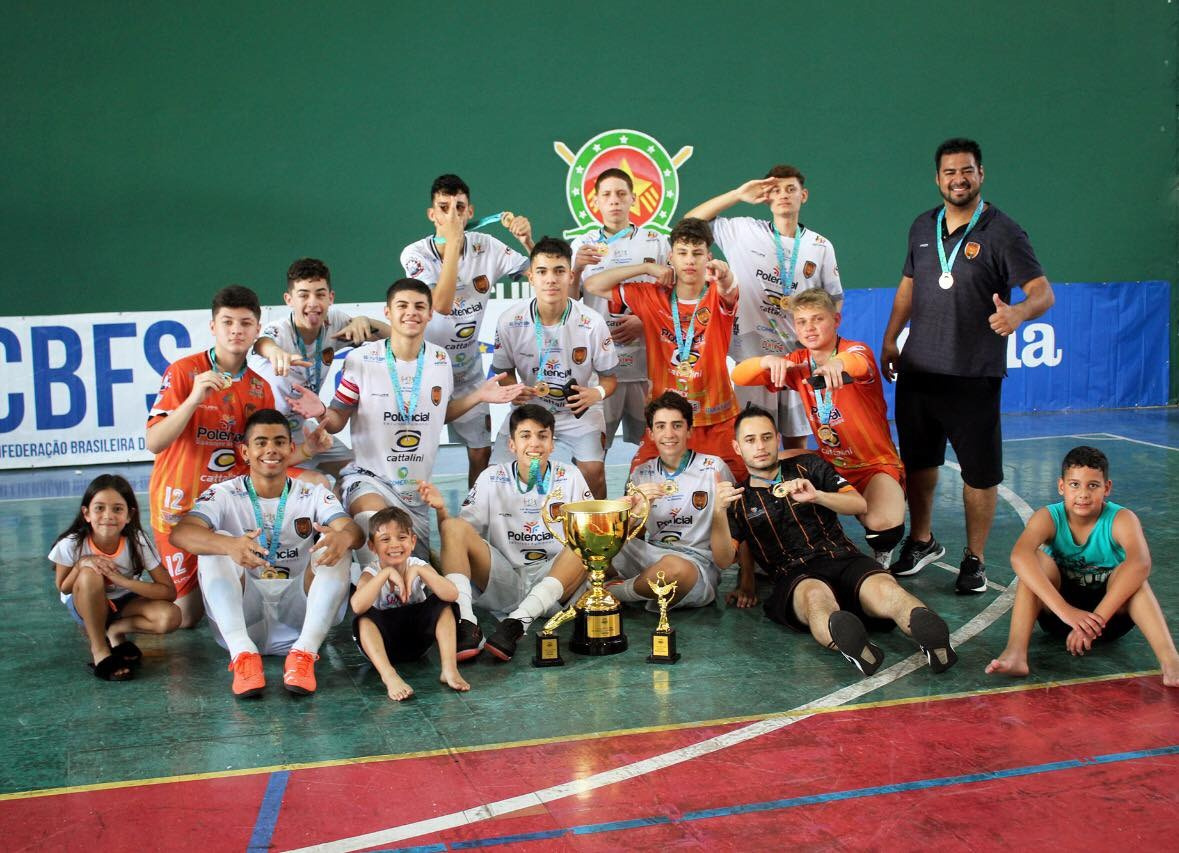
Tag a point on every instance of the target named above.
point(542, 348)
point(405, 411)
point(683, 343)
point(783, 275)
point(685, 461)
point(617, 235)
point(825, 397)
point(216, 369)
point(489, 219)
point(941, 248)
point(317, 362)
point(270, 542)
point(534, 478)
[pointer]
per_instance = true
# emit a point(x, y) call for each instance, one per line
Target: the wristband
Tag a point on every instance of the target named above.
point(599, 389)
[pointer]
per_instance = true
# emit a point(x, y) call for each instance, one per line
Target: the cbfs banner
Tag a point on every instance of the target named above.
point(76, 389)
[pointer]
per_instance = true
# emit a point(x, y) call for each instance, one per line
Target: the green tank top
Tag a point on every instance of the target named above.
point(1091, 562)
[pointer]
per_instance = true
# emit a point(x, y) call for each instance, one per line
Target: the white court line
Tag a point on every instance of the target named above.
point(1139, 441)
point(467, 817)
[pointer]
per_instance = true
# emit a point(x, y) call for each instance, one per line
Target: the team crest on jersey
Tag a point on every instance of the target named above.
point(708, 463)
point(579, 354)
point(436, 395)
point(303, 527)
point(703, 316)
point(654, 172)
point(481, 284)
point(414, 268)
point(477, 246)
point(439, 356)
point(971, 250)
point(648, 260)
point(555, 510)
point(808, 269)
point(700, 499)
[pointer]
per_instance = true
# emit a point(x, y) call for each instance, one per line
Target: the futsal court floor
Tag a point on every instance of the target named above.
point(756, 739)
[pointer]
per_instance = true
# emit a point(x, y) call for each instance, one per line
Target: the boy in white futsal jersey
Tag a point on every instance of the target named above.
point(563, 353)
point(397, 394)
point(687, 532)
point(619, 243)
point(772, 261)
point(273, 558)
point(498, 547)
point(461, 267)
point(298, 350)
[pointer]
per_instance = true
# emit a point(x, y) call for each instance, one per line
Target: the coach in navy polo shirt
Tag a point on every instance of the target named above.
point(965, 257)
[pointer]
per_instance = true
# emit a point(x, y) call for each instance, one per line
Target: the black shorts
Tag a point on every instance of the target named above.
point(844, 576)
point(408, 632)
point(1087, 598)
point(932, 408)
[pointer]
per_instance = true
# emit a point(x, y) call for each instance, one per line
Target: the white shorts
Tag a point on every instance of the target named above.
point(353, 485)
point(339, 452)
point(638, 555)
point(508, 584)
point(581, 440)
point(473, 429)
point(273, 609)
point(626, 406)
point(786, 406)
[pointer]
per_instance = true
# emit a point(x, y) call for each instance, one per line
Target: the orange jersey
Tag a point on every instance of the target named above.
point(857, 434)
point(708, 390)
point(206, 452)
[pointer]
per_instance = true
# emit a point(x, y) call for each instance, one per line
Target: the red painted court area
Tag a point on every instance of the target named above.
point(1047, 766)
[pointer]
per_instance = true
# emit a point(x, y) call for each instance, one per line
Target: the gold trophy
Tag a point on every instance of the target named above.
point(596, 531)
point(663, 640)
point(548, 644)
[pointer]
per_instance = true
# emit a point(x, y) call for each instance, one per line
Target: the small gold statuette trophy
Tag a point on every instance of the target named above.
point(548, 644)
point(596, 531)
point(663, 639)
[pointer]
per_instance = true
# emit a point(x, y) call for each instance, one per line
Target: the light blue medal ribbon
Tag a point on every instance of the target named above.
point(490, 219)
point(617, 235)
point(317, 362)
point(683, 343)
point(270, 542)
point(405, 411)
point(946, 279)
point(534, 478)
point(783, 275)
point(233, 377)
point(825, 396)
point(543, 348)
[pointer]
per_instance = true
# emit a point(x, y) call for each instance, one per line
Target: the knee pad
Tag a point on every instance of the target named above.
point(884, 540)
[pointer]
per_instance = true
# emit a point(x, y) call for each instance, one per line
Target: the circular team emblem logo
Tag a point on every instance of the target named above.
point(653, 170)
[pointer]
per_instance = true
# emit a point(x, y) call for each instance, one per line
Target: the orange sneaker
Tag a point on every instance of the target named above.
point(298, 673)
point(248, 679)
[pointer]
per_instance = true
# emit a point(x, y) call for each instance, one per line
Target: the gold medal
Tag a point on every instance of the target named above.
point(683, 370)
point(506, 218)
point(541, 389)
point(669, 487)
point(780, 490)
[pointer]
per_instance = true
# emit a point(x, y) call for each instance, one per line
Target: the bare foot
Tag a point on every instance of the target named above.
point(1009, 663)
point(398, 689)
point(1171, 674)
point(452, 679)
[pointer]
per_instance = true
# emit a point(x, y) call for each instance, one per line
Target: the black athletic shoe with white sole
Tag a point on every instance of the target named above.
point(915, 556)
point(503, 642)
point(850, 638)
point(972, 575)
point(933, 636)
point(469, 641)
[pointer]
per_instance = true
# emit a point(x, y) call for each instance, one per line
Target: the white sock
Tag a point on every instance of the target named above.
point(540, 600)
point(221, 586)
point(625, 592)
point(324, 597)
point(363, 555)
point(464, 599)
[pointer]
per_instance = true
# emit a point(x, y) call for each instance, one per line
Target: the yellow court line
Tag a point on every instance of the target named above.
point(459, 750)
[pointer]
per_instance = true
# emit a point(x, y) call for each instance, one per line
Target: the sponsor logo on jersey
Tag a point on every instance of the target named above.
point(477, 247)
point(808, 269)
point(303, 527)
point(668, 537)
point(579, 354)
point(654, 172)
point(439, 356)
point(533, 556)
point(700, 499)
point(464, 331)
point(222, 459)
point(584, 321)
point(436, 395)
point(480, 282)
point(971, 250)
point(708, 463)
point(407, 439)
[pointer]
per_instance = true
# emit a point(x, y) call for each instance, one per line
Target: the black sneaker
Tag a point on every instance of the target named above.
point(915, 556)
point(850, 639)
point(470, 640)
point(503, 642)
point(933, 636)
point(972, 575)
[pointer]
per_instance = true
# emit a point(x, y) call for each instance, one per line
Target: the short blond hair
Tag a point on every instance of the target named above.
point(814, 298)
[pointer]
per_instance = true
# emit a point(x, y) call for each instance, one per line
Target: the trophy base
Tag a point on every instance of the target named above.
point(663, 648)
point(598, 633)
point(548, 651)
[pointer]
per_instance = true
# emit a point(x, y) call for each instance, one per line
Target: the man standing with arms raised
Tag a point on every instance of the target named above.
point(964, 259)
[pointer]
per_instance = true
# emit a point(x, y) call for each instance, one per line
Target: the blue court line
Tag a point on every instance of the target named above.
point(276, 786)
point(793, 802)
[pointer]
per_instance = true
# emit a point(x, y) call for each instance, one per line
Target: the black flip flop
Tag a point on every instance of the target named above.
point(851, 639)
point(933, 636)
point(128, 651)
point(108, 669)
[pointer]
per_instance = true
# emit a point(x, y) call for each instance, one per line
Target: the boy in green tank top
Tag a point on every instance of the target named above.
point(1082, 566)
